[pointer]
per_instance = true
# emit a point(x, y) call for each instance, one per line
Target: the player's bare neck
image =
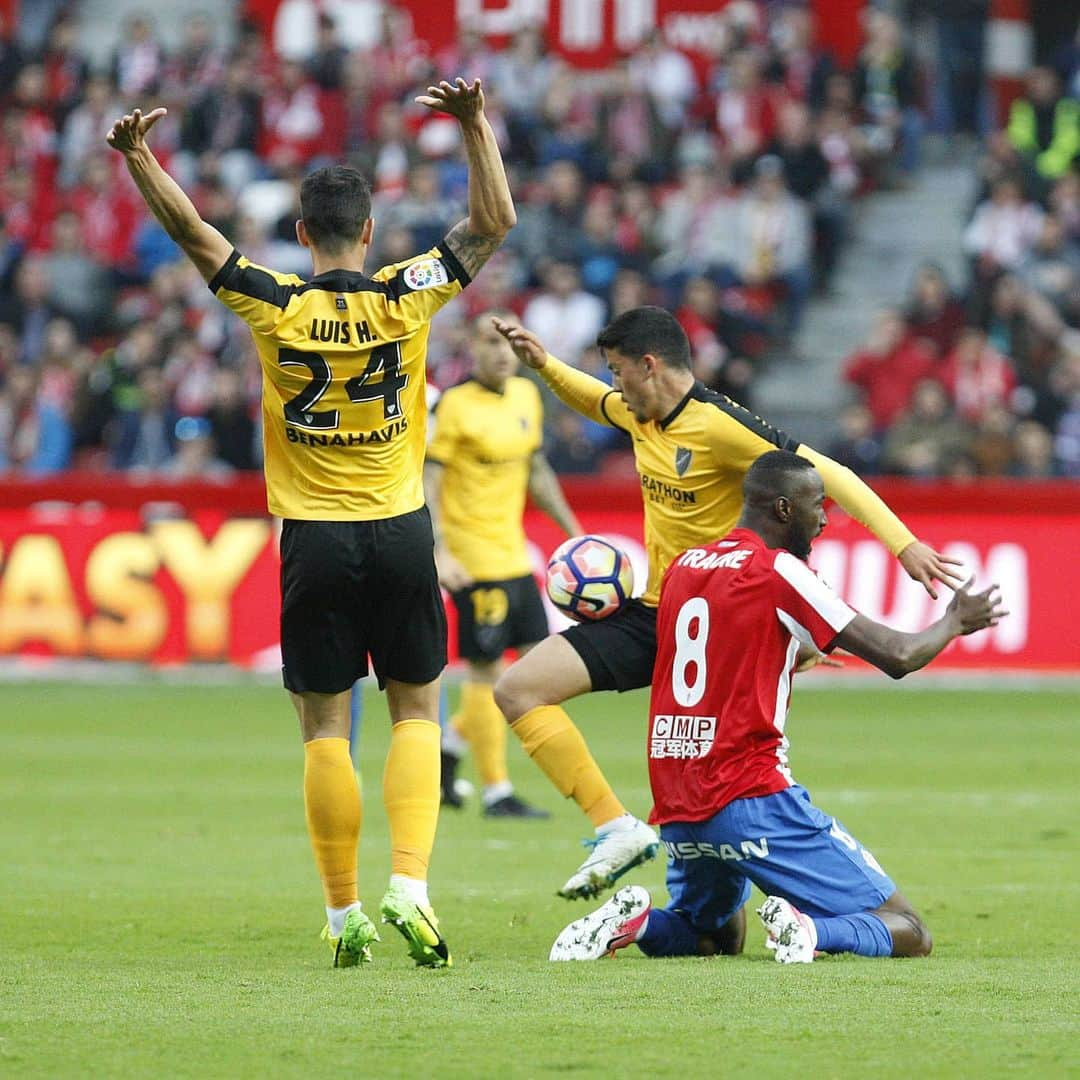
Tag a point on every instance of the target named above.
point(350, 260)
point(672, 385)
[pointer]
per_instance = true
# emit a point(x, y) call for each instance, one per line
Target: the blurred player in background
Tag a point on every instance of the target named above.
point(736, 619)
point(344, 415)
point(692, 447)
point(485, 454)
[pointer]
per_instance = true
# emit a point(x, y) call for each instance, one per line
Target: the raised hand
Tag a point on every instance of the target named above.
point(459, 99)
point(129, 132)
point(525, 344)
point(976, 611)
point(925, 565)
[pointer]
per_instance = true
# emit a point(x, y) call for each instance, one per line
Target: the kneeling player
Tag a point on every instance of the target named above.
point(736, 620)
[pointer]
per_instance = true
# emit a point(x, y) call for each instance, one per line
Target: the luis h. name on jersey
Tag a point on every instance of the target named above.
point(340, 332)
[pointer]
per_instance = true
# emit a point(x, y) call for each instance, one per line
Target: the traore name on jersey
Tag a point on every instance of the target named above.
point(344, 399)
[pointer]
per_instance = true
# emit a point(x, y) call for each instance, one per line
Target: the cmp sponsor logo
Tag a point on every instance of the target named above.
point(674, 736)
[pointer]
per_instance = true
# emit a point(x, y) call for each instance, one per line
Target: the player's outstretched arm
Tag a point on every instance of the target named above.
point(547, 495)
point(898, 654)
point(491, 207)
point(582, 392)
point(922, 563)
point(202, 243)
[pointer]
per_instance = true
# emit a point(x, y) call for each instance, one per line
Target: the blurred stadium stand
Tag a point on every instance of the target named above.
point(776, 184)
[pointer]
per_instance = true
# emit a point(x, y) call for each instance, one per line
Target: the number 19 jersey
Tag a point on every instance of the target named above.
point(732, 616)
point(343, 358)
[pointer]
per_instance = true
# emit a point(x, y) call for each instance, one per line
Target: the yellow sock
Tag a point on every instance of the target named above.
point(482, 725)
point(555, 744)
point(411, 795)
point(333, 811)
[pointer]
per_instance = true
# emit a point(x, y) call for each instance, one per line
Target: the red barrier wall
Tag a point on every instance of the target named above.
point(168, 573)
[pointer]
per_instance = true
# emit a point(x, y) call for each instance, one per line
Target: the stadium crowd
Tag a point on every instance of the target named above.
point(724, 194)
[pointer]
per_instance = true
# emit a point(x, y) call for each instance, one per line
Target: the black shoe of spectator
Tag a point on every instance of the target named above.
point(512, 806)
point(447, 776)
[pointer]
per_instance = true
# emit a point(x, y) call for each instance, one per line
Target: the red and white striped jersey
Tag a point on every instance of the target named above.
point(731, 619)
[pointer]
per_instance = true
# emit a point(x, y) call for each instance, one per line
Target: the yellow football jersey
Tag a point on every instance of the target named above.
point(343, 357)
point(485, 441)
point(691, 466)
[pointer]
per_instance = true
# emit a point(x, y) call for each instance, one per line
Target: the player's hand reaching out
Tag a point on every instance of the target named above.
point(925, 565)
point(459, 99)
point(129, 132)
point(975, 611)
point(526, 345)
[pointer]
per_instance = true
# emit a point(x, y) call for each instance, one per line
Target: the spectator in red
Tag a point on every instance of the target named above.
point(934, 316)
point(65, 68)
point(107, 212)
point(977, 376)
point(32, 133)
point(630, 133)
point(28, 209)
point(745, 112)
point(294, 126)
point(887, 368)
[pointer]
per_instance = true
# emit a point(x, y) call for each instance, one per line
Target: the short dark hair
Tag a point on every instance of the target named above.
point(644, 330)
point(771, 476)
point(334, 204)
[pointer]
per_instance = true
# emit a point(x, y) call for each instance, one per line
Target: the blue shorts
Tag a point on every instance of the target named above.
point(784, 845)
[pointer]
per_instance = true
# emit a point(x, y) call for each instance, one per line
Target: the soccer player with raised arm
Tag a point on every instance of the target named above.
point(485, 455)
point(692, 448)
point(344, 418)
point(737, 618)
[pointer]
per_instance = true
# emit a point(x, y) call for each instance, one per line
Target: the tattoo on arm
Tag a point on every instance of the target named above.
point(471, 249)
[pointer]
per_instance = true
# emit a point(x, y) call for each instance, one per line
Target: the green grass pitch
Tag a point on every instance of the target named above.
point(159, 911)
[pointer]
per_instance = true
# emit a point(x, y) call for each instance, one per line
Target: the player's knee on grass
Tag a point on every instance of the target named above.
point(731, 937)
point(910, 935)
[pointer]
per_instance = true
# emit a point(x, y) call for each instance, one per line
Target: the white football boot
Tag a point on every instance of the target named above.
point(612, 926)
point(612, 855)
point(792, 935)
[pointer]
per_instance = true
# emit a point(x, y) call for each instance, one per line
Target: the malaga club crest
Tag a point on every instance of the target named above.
point(682, 459)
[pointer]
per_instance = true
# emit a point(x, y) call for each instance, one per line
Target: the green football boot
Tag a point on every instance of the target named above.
point(354, 945)
point(418, 926)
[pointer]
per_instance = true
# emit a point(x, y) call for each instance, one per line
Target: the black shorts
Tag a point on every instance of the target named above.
point(619, 651)
point(494, 616)
point(350, 588)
